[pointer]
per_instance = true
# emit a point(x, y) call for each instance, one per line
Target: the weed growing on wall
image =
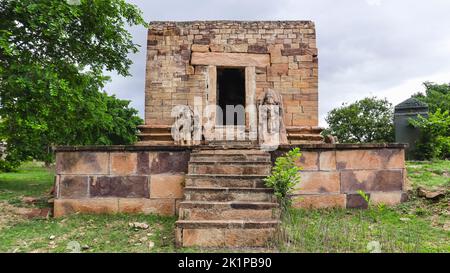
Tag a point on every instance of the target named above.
point(284, 177)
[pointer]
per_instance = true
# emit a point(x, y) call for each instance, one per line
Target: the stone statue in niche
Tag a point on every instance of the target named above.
point(330, 139)
point(186, 129)
point(271, 127)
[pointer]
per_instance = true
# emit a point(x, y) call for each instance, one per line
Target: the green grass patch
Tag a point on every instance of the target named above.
point(31, 179)
point(429, 174)
point(93, 233)
point(340, 230)
point(416, 226)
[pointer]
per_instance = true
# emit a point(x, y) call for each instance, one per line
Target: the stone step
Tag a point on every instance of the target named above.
point(208, 157)
point(155, 134)
point(228, 194)
point(304, 130)
point(224, 142)
point(225, 233)
point(230, 145)
point(225, 181)
point(301, 142)
point(155, 137)
point(154, 129)
point(306, 137)
point(234, 167)
point(201, 210)
point(231, 150)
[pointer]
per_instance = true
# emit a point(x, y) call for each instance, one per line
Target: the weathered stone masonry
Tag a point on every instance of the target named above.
point(284, 55)
point(151, 179)
point(183, 57)
point(217, 187)
point(114, 179)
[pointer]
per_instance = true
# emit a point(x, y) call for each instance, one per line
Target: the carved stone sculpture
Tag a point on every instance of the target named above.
point(186, 129)
point(272, 129)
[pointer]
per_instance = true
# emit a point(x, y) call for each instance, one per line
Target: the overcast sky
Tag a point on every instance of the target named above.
point(383, 48)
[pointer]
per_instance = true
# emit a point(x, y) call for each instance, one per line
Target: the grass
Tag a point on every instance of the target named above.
point(429, 174)
point(93, 233)
point(31, 179)
point(339, 230)
point(416, 226)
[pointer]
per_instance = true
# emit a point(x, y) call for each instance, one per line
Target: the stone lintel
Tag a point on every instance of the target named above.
point(230, 59)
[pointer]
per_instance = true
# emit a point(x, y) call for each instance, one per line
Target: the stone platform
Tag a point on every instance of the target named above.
point(218, 191)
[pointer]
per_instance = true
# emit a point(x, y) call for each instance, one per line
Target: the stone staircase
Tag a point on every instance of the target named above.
point(305, 135)
point(226, 203)
point(154, 135)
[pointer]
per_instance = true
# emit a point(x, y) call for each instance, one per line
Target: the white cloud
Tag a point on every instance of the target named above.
point(366, 47)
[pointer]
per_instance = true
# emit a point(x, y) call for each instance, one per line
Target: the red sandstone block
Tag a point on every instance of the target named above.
point(167, 186)
point(248, 237)
point(147, 206)
point(200, 48)
point(327, 160)
point(309, 161)
point(119, 186)
point(82, 163)
point(356, 201)
point(211, 237)
point(73, 186)
point(371, 180)
point(169, 162)
point(319, 201)
point(64, 207)
point(370, 159)
point(386, 198)
point(123, 163)
point(277, 69)
point(318, 182)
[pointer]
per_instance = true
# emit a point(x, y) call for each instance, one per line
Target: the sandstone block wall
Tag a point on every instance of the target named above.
point(332, 177)
point(110, 181)
point(182, 58)
point(151, 179)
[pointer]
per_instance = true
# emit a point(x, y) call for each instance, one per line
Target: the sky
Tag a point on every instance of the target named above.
point(382, 48)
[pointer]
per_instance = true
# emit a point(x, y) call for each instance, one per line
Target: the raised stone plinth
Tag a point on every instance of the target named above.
point(218, 190)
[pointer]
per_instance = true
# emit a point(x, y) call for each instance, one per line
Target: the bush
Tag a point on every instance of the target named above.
point(366, 121)
point(437, 96)
point(434, 141)
point(8, 166)
point(285, 176)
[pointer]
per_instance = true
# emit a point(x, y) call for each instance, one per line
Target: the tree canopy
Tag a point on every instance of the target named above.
point(369, 120)
point(52, 57)
point(434, 141)
point(437, 96)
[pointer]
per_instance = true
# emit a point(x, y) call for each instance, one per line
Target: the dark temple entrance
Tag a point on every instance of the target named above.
point(231, 91)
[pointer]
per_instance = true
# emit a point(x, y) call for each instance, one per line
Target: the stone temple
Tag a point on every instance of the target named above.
point(207, 164)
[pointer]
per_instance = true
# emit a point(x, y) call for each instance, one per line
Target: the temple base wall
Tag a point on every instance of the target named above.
point(151, 179)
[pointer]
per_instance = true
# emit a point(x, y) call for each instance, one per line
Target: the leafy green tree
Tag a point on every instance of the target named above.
point(52, 57)
point(366, 121)
point(434, 142)
point(437, 96)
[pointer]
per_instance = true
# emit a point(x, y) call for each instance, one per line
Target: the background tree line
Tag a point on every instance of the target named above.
point(371, 120)
point(53, 55)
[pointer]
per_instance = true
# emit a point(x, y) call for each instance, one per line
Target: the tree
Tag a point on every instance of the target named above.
point(52, 58)
point(437, 96)
point(434, 141)
point(366, 121)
